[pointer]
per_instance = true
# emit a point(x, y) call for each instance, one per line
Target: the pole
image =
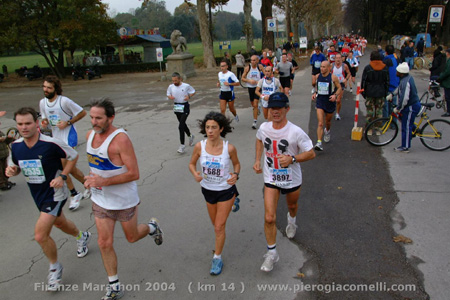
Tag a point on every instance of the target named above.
point(426, 29)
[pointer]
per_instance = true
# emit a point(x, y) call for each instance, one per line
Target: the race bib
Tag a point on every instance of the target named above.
point(53, 119)
point(32, 170)
point(179, 108)
point(280, 177)
point(323, 88)
point(317, 64)
point(213, 170)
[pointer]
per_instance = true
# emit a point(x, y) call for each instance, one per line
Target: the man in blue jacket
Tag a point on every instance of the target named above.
point(408, 105)
point(391, 62)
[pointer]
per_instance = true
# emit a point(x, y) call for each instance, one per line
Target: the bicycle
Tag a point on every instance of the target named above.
point(433, 93)
point(421, 62)
point(434, 134)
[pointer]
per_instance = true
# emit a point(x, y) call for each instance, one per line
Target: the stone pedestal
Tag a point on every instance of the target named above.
point(182, 63)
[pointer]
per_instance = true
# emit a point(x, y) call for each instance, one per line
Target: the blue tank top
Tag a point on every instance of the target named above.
point(325, 87)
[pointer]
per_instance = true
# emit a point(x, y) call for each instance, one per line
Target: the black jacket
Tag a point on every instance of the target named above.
point(375, 80)
point(438, 65)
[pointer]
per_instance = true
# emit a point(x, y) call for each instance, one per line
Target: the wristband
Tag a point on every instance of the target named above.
point(237, 175)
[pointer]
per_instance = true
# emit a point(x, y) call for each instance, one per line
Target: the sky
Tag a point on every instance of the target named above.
point(235, 6)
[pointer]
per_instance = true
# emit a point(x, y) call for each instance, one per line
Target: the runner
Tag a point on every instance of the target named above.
point(328, 89)
point(266, 87)
point(181, 93)
point(114, 171)
point(353, 62)
point(227, 82)
point(332, 54)
point(39, 157)
point(251, 76)
point(218, 183)
point(295, 67)
point(342, 72)
point(284, 69)
point(60, 114)
point(316, 60)
point(285, 146)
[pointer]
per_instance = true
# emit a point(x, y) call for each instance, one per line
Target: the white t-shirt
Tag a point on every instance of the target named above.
point(180, 92)
point(227, 77)
point(289, 140)
point(62, 109)
point(253, 74)
point(268, 87)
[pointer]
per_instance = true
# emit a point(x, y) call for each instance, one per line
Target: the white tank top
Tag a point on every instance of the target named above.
point(215, 168)
point(339, 73)
point(113, 197)
point(253, 74)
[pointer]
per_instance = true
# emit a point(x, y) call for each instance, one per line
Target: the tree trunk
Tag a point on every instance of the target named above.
point(267, 36)
point(248, 29)
point(288, 19)
point(208, 52)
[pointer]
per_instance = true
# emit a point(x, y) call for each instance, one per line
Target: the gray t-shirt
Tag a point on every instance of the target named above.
point(284, 69)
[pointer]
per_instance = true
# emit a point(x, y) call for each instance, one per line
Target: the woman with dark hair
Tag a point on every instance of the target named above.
point(438, 64)
point(218, 183)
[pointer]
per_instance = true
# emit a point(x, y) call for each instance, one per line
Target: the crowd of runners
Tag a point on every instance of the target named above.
point(280, 147)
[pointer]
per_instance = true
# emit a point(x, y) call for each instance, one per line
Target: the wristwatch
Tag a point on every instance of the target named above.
point(237, 175)
point(69, 123)
point(293, 159)
point(64, 177)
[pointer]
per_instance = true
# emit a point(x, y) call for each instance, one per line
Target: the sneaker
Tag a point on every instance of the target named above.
point(269, 260)
point(236, 118)
point(54, 279)
point(82, 244)
point(290, 94)
point(447, 114)
point(401, 149)
point(216, 266)
point(181, 149)
point(158, 234)
point(337, 117)
point(318, 146)
point(86, 194)
point(291, 229)
point(191, 140)
point(313, 91)
point(113, 292)
point(75, 201)
point(326, 136)
point(351, 90)
point(236, 205)
point(254, 124)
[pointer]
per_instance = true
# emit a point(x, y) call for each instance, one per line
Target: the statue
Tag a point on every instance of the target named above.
point(178, 42)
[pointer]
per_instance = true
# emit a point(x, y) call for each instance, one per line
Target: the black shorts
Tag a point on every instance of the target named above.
point(252, 94)
point(53, 208)
point(292, 76)
point(285, 82)
point(283, 191)
point(315, 71)
point(353, 72)
point(212, 197)
point(326, 105)
point(228, 96)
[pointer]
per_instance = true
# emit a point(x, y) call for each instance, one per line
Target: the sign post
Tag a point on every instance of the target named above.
point(435, 15)
point(272, 25)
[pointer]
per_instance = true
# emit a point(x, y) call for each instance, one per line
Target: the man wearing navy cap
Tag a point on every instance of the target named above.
point(285, 146)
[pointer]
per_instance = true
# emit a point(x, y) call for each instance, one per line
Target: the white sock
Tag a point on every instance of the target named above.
point(54, 266)
point(152, 228)
point(272, 249)
point(291, 219)
point(113, 279)
point(218, 256)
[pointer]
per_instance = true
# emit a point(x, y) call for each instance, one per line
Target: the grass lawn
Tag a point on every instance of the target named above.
point(29, 60)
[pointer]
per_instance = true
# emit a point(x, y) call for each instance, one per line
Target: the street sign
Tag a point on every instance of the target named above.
point(436, 13)
point(271, 24)
point(159, 54)
point(303, 42)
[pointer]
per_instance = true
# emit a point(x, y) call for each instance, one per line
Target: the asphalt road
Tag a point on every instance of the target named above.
point(354, 199)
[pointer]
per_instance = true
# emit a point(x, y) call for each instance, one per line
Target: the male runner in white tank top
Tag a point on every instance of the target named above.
point(114, 171)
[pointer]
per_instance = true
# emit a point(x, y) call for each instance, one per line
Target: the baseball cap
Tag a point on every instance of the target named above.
point(403, 68)
point(278, 100)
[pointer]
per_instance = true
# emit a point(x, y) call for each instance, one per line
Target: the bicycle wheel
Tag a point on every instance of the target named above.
point(425, 97)
point(381, 131)
point(435, 135)
point(418, 63)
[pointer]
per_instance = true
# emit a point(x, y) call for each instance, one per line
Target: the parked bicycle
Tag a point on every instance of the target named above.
point(434, 93)
point(434, 134)
point(421, 62)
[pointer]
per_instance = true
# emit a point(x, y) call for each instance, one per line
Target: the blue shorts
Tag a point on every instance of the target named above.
point(327, 106)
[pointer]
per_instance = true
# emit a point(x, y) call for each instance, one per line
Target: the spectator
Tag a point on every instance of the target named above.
point(438, 64)
point(444, 79)
point(240, 64)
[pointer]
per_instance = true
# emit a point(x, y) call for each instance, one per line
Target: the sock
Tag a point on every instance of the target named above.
point(272, 248)
point(218, 256)
point(54, 267)
point(73, 192)
point(291, 219)
point(152, 228)
point(319, 141)
point(113, 279)
point(254, 120)
point(79, 235)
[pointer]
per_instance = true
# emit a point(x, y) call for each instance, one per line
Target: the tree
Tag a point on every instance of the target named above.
point(248, 28)
point(266, 12)
point(51, 27)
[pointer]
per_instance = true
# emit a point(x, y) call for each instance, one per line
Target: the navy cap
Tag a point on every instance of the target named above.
point(278, 100)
